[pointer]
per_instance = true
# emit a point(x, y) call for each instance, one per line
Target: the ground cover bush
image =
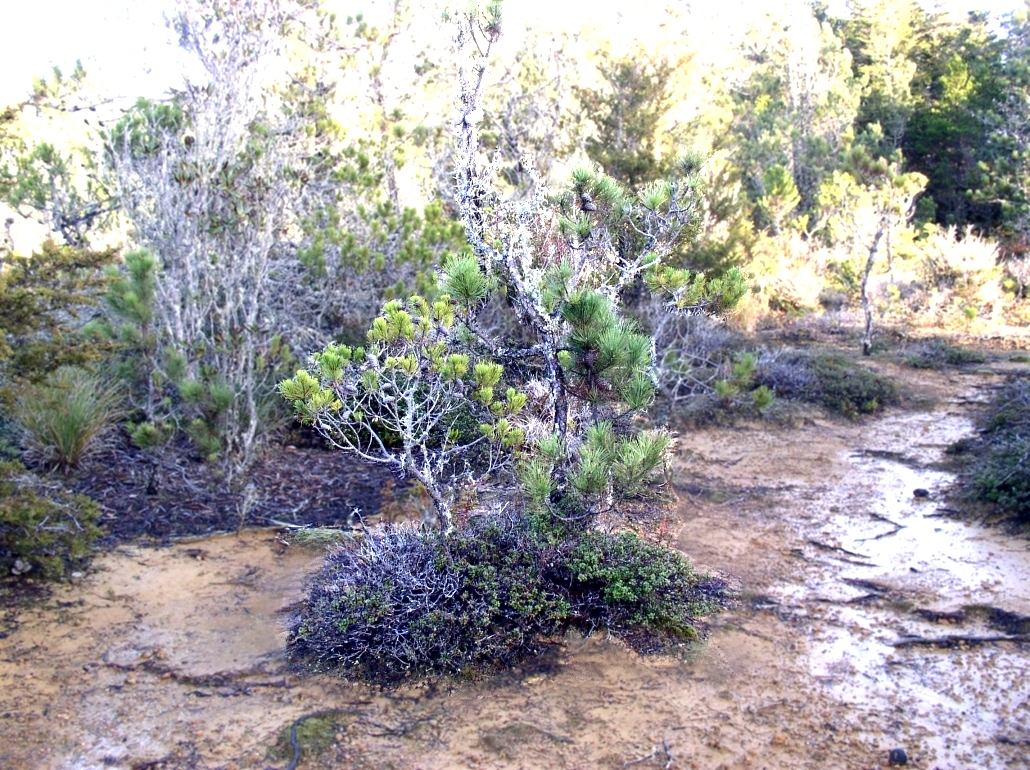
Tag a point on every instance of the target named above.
point(1000, 472)
point(406, 601)
point(43, 530)
point(937, 354)
point(827, 379)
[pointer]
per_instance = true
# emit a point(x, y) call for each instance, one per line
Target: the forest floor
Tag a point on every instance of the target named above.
point(171, 657)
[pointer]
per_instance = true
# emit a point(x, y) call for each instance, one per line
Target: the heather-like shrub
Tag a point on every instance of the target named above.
point(937, 354)
point(830, 380)
point(43, 530)
point(1001, 464)
point(406, 601)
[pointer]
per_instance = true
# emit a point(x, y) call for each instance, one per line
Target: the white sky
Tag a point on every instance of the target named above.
point(123, 43)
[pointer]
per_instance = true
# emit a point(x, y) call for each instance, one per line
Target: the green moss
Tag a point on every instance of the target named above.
point(314, 735)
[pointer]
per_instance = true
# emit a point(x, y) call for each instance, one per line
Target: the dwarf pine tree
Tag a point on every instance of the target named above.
point(526, 444)
point(436, 397)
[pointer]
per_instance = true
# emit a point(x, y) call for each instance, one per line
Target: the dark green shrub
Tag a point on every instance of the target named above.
point(408, 601)
point(937, 354)
point(1001, 464)
point(417, 602)
point(43, 530)
point(41, 298)
point(830, 380)
point(624, 582)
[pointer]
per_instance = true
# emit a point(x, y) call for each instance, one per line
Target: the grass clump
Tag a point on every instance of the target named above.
point(827, 379)
point(407, 601)
point(66, 417)
point(44, 531)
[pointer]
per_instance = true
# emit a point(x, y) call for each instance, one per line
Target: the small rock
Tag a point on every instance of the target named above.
point(75, 577)
point(779, 740)
point(130, 678)
point(897, 757)
point(920, 492)
point(20, 567)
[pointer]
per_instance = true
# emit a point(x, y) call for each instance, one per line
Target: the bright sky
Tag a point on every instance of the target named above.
point(124, 44)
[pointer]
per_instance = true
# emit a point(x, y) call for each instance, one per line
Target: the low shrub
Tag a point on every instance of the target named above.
point(43, 530)
point(65, 418)
point(937, 354)
point(623, 582)
point(830, 380)
point(407, 601)
point(1001, 453)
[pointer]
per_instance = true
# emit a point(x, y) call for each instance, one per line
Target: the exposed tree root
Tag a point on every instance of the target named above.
point(956, 640)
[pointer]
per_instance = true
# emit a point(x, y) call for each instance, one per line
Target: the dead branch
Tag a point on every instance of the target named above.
point(664, 749)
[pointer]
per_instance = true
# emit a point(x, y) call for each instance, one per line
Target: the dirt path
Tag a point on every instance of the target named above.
point(171, 658)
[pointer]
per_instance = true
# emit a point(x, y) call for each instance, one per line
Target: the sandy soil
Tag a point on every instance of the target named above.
point(171, 658)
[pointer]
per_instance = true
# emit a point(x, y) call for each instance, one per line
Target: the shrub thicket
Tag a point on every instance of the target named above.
point(43, 530)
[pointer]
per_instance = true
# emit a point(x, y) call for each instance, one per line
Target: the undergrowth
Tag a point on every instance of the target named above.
point(409, 602)
point(1000, 454)
point(830, 380)
point(44, 531)
point(937, 354)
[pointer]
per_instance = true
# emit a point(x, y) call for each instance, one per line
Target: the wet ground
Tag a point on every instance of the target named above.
point(869, 619)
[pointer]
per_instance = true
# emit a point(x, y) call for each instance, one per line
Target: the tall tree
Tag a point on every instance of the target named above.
point(626, 114)
point(884, 37)
point(957, 87)
point(797, 106)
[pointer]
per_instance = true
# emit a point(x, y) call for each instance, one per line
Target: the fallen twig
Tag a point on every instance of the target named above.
point(837, 548)
point(665, 749)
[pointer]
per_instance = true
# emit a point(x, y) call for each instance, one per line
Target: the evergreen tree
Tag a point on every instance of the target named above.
point(796, 108)
point(431, 374)
point(522, 449)
point(626, 115)
point(957, 89)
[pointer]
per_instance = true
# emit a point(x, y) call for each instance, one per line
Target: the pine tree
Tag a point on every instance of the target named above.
point(463, 407)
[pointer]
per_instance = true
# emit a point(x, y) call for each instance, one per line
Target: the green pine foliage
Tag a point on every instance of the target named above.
point(42, 297)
